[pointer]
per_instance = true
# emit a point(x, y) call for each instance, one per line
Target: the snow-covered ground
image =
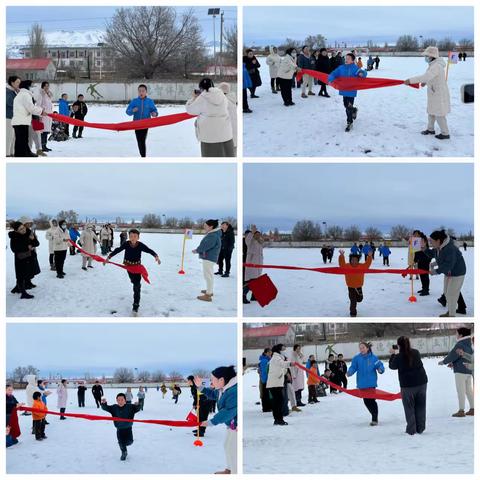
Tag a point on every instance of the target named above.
point(82, 446)
point(107, 291)
point(389, 119)
point(311, 294)
point(333, 436)
point(176, 140)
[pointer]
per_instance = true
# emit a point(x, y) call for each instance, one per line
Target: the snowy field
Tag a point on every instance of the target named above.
point(338, 425)
point(311, 294)
point(82, 446)
point(388, 125)
point(176, 140)
point(107, 291)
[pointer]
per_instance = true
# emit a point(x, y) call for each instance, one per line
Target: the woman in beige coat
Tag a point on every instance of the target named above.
point(438, 96)
point(88, 242)
point(254, 242)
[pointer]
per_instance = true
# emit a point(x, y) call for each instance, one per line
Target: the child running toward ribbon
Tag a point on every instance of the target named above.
point(122, 409)
point(354, 281)
point(133, 249)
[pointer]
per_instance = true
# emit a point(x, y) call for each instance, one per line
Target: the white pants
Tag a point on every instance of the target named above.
point(34, 137)
point(208, 275)
point(307, 82)
point(464, 384)
point(10, 142)
point(291, 395)
point(451, 289)
point(442, 123)
point(230, 446)
point(86, 260)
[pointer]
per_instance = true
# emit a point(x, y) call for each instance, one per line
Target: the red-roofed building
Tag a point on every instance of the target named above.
point(36, 69)
point(269, 335)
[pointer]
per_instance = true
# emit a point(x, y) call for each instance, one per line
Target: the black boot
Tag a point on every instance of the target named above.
point(15, 289)
point(442, 300)
point(124, 454)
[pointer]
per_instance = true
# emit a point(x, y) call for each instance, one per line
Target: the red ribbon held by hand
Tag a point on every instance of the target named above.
point(122, 126)
point(374, 393)
point(138, 269)
point(353, 83)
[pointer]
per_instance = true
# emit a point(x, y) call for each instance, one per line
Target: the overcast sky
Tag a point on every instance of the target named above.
point(271, 25)
point(100, 348)
point(417, 195)
point(54, 18)
point(127, 190)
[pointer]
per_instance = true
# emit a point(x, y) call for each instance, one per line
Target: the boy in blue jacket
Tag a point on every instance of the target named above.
point(349, 69)
point(263, 362)
point(142, 107)
point(64, 109)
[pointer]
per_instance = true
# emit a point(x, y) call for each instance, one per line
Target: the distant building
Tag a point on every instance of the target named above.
point(268, 336)
point(37, 69)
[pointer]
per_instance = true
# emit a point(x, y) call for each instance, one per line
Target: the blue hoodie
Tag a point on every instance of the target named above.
point(63, 107)
point(366, 367)
point(145, 106)
point(264, 360)
point(351, 70)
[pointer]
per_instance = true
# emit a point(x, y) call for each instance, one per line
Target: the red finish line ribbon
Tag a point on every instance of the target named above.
point(374, 393)
point(122, 126)
point(191, 420)
point(138, 269)
point(343, 270)
point(353, 83)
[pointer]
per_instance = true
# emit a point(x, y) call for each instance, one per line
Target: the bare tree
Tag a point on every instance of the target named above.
point(150, 220)
point(70, 216)
point(19, 373)
point(407, 43)
point(158, 376)
point(185, 222)
point(446, 44)
point(465, 43)
point(400, 232)
point(231, 43)
point(373, 233)
point(429, 42)
point(306, 230)
point(143, 376)
point(123, 375)
point(42, 220)
point(171, 222)
point(201, 372)
point(352, 233)
point(174, 375)
point(335, 232)
point(316, 41)
point(37, 41)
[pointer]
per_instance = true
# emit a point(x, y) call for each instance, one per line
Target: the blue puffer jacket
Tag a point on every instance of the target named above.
point(366, 249)
point(347, 71)
point(226, 405)
point(456, 360)
point(247, 82)
point(264, 360)
point(355, 250)
point(366, 367)
point(209, 248)
point(145, 106)
point(385, 251)
point(74, 234)
point(63, 107)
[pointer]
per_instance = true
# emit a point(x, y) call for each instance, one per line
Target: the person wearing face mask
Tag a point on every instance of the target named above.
point(13, 86)
point(438, 96)
point(61, 238)
point(273, 62)
point(49, 237)
point(88, 242)
point(286, 71)
point(44, 100)
point(30, 225)
point(253, 69)
point(323, 64)
point(305, 62)
point(22, 243)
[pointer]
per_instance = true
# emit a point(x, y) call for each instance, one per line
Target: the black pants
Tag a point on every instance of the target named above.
point(286, 90)
point(298, 396)
point(136, 280)
point(98, 401)
point(372, 407)
point(386, 260)
point(225, 255)
point(141, 402)
point(276, 394)
point(342, 380)
point(141, 141)
point(245, 99)
point(312, 393)
point(81, 399)
point(323, 89)
point(252, 91)
point(124, 437)
point(44, 139)
point(66, 127)
point(60, 256)
point(265, 398)
point(275, 84)
point(51, 260)
point(203, 412)
point(39, 429)
point(324, 258)
point(414, 401)
point(348, 103)
point(62, 411)
point(175, 397)
point(79, 129)
point(356, 296)
point(22, 148)
point(425, 280)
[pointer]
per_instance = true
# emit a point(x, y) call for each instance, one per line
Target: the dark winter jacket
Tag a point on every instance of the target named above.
point(81, 389)
point(228, 239)
point(422, 260)
point(82, 110)
point(412, 375)
point(455, 359)
point(97, 391)
point(203, 400)
point(133, 255)
point(304, 62)
point(127, 411)
point(10, 97)
point(24, 258)
point(253, 69)
point(449, 259)
point(341, 368)
point(10, 403)
point(323, 64)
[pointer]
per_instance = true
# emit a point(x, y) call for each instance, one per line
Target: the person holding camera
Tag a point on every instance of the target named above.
point(413, 383)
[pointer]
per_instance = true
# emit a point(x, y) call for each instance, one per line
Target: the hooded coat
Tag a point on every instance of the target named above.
point(287, 67)
point(254, 255)
point(62, 396)
point(88, 239)
point(49, 237)
point(31, 388)
point(24, 108)
point(212, 124)
point(60, 239)
point(273, 62)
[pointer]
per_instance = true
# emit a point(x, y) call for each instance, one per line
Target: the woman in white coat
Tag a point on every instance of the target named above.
point(49, 237)
point(438, 96)
point(286, 71)
point(44, 100)
point(277, 369)
point(23, 109)
point(88, 242)
point(254, 243)
point(232, 110)
point(298, 375)
point(273, 62)
point(61, 243)
point(62, 397)
point(213, 126)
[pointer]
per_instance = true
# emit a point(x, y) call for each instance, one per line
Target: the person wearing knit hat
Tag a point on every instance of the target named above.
point(29, 224)
point(438, 95)
point(224, 391)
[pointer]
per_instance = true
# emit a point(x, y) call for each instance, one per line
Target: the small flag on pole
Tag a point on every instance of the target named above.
point(453, 57)
point(188, 235)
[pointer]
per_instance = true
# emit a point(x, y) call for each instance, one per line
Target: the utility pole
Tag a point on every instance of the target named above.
point(221, 41)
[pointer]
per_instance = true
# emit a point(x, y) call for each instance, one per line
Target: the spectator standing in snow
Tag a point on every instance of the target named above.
point(263, 362)
point(129, 395)
point(38, 417)
point(141, 108)
point(213, 126)
point(61, 242)
point(324, 253)
point(367, 250)
point(247, 83)
point(385, 252)
point(232, 111)
point(254, 241)
point(253, 68)
point(97, 392)
point(74, 236)
point(312, 382)
point(62, 397)
point(298, 378)
point(228, 244)
point(286, 71)
point(305, 62)
point(88, 242)
point(141, 397)
point(377, 62)
point(323, 64)
point(366, 365)
point(105, 239)
point(413, 382)
point(422, 261)
point(81, 389)
point(341, 371)
point(49, 237)
point(123, 237)
point(348, 70)
point(438, 95)
point(44, 100)
point(273, 62)
point(79, 112)
point(370, 63)
point(13, 87)
point(64, 109)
